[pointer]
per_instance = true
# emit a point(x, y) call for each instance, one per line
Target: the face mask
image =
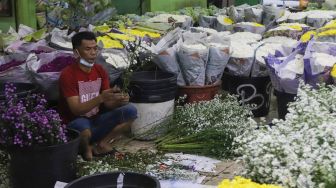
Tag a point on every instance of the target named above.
point(84, 62)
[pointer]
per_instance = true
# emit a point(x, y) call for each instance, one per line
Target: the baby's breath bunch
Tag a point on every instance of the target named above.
point(298, 152)
point(208, 127)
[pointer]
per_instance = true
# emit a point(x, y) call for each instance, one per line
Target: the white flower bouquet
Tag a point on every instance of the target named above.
point(298, 152)
point(207, 128)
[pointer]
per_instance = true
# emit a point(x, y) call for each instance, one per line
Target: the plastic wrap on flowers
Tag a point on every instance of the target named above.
point(271, 14)
point(243, 37)
point(29, 47)
point(236, 14)
point(241, 60)
point(297, 17)
point(223, 23)
point(193, 59)
point(288, 45)
point(286, 72)
point(190, 37)
point(271, 61)
point(319, 18)
point(8, 38)
point(249, 27)
point(13, 68)
point(208, 31)
point(291, 30)
point(167, 60)
point(283, 18)
point(262, 50)
point(113, 60)
point(318, 63)
point(219, 54)
point(182, 21)
point(207, 21)
point(327, 35)
point(45, 69)
point(253, 14)
point(60, 39)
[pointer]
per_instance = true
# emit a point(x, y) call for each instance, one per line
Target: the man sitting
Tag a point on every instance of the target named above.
point(84, 87)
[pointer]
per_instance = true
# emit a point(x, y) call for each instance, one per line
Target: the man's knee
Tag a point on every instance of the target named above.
point(81, 125)
point(86, 133)
point(130, 112)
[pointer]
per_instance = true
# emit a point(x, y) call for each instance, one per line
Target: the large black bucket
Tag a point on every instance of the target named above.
point(283, 99)
point(251, 90)
point(43, 166)
point(110, 180)
point(22, 90)
point(152, 87)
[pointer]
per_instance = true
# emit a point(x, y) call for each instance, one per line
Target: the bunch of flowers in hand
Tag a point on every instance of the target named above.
point(298, 152)
point(138, 54)
point(27, 122)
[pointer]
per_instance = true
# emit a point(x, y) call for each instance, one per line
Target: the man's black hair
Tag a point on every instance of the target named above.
point(84, 35)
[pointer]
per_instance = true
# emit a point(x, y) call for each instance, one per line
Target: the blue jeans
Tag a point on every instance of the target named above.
point(104, 123)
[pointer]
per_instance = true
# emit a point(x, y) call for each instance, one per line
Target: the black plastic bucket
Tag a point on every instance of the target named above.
point(137, 90)
point(22, 89)
point(43, 166)
point(283, 99)
point(110, 180)
point(153, 80)
point(251, 90)
point(152, 87)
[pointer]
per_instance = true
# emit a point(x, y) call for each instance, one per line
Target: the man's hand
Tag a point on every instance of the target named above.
point(123, 98)
point(117, 100)
point(107, 95)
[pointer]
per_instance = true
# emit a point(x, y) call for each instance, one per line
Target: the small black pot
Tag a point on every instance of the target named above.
point(110, 180)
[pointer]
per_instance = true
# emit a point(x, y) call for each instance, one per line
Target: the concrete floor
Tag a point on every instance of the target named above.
point(225, 170)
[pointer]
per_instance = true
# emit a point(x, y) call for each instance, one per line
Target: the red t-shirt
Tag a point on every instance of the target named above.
point(75, 82)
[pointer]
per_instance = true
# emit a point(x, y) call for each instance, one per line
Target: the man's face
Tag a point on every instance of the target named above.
point(88, 50)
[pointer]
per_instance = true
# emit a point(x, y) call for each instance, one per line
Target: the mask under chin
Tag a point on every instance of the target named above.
point(85, 63)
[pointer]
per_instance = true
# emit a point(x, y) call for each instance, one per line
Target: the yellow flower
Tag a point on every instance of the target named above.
point(330, 32)
point(109, 43)
point(121, 36)
point(102, 28)
point(331, 24)
point(307, 36)
point(240, 182)
point(333, 71)
point(257, 24)
point(228, 21)
point(35, 36)
point(293, 26)
point(139, 33)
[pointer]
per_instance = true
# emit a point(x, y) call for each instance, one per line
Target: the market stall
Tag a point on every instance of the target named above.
point(199, 77)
